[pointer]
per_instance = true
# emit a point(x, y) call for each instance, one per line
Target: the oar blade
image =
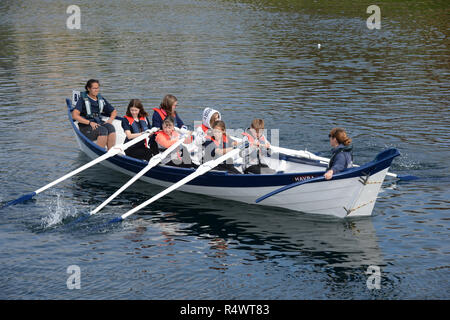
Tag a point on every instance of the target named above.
point(23, 198)
point(406, 177)
point(115, 220)
point(84, 217)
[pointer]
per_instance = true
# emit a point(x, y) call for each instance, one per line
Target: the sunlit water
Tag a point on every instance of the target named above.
point(387, 87)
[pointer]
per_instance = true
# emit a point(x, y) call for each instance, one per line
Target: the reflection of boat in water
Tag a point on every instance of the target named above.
point(265, 232)
point(297, 185)
point(275, 232)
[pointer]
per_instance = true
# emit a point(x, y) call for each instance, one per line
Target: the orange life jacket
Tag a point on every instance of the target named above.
point(166, 137)
point(252, 139)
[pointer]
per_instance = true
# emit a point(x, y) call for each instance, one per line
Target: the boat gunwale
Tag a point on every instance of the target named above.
point(277, 179)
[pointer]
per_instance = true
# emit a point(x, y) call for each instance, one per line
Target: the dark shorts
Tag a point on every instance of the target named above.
point(259, 169)
point(104, 129)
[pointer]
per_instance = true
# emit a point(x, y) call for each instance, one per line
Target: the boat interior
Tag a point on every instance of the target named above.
point(281, 163)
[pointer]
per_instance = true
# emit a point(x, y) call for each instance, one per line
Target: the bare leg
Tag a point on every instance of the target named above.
point(111, 140)
point(101, 141)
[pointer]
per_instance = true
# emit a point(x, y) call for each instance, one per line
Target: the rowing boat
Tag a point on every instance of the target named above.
point(298, 183)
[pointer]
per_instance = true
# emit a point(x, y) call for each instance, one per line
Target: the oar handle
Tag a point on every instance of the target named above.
point(153, 162)
point(202, 169)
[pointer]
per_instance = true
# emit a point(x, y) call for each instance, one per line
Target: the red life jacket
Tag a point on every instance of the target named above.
point(205, 128)
point(161, 113)
point(138, 127)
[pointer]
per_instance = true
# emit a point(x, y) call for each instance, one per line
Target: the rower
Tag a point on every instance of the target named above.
point(166, 138)
point(219, 144)
point(134, 124)
point(253, 153)
point(87, 112)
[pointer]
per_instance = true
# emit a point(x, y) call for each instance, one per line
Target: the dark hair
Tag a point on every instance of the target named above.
point(169, 119)
point(167, 104)
point(220, 124)
point(136, 103)
point(90, 82)
point(341, 136)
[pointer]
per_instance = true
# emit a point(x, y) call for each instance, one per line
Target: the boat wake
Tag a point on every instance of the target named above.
point(58, 210)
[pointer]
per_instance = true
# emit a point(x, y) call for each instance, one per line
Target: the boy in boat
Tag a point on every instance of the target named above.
point(219, 144)
point(256, 143)
point(165, 138)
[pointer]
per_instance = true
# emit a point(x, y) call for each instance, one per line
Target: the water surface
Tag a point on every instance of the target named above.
point(387, 87)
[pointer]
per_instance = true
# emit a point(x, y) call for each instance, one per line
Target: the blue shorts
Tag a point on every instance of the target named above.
point(104, 129)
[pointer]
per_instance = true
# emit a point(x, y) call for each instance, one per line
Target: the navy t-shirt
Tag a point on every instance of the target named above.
point(157, 121)
point(126, 126)
point(107, 108)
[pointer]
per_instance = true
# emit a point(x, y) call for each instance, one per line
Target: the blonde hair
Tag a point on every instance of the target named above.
point(219, 124)
point(257, 124)
point(341, 136)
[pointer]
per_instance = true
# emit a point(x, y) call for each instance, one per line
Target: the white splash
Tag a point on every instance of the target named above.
point(58, 211)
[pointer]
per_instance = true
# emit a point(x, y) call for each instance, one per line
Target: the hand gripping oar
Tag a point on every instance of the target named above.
point(152, 163)
point(312, 156)
point(112, 152)
point(202, 169)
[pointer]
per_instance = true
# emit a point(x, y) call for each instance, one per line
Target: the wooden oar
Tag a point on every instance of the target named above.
point(202, 169)
point(112, 152)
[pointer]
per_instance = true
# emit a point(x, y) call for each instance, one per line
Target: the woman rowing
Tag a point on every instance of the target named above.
point(342, 157)
point(87, 112)
point(165, 138)
point(166, 108)
point(134, 124)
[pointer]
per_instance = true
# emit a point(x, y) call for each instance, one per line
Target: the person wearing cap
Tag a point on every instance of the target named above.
point(200, 133)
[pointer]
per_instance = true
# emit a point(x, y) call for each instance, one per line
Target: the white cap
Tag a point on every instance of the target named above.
point(207, 114)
